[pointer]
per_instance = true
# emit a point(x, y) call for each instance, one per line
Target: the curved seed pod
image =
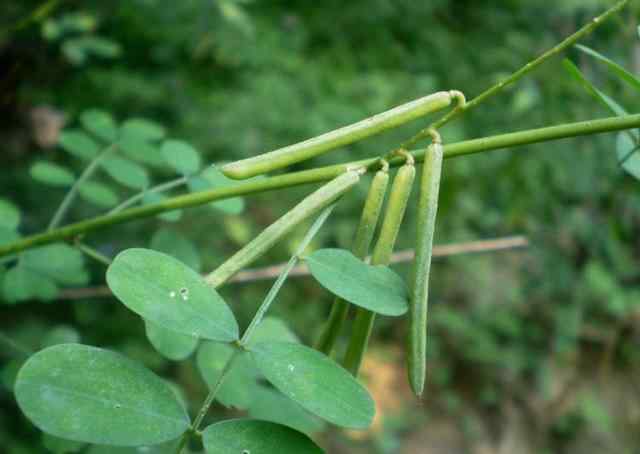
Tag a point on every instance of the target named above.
point(307, 149)
point(398, 198)
point(362, 241)
point(427, 210)
point(309, 206)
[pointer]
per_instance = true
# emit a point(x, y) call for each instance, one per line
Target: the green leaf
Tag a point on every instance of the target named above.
point(164, 448)
point(236, 15)
point(377, 288)
point(176, 245)
point(100, 123)
point(51, 174)
point(58, 261)
point(155, 197)
point(142, 130)
point(92, 395)
point(22, 284)
point(98, 194)
point(605, 100)
point(54, 256)
point(163, 290)
point(628, 156)
point(212, 178)
point(316, 382)
point(247, 436)
point(181, 156)
point(7, 235)
point(614, 67)
point(140, 150)
point(74, 50)
point(9, 215)
point(126, 172)
point(240, 385)
point(273, 329)
point(61, 334)
point(172, 345)
point(59, 445)
point(289, 413)
point(79, 144)
point(101, 47)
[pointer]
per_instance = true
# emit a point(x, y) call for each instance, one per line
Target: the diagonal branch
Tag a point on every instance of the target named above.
point(317, 176)
point(519, 74)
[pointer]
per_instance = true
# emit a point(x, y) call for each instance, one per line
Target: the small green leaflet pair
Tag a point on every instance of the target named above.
point(40, 273)
point(70, 389)
point(86, 394)
point(123, 152)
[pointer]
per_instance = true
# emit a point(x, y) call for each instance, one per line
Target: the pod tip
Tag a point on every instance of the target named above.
point(235, 172)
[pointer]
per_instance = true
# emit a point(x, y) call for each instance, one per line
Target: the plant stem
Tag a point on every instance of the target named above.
point(257, 319)
point(520, 73)
point(318, 175)
point(159, 188)
point(24, 351)
point(71, 195)
point(207, 403)
point(273, 292)
point(93, 253)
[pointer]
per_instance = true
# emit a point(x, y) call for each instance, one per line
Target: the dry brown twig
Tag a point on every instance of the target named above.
point(271, 272)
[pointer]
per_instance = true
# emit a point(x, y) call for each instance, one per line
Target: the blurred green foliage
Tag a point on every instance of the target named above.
point(240, 77)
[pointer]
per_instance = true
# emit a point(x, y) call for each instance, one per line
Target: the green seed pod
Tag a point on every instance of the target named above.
point(362, 241)
point(398, 199)
point(427, 210)
point(309, 206)
point(310, 148)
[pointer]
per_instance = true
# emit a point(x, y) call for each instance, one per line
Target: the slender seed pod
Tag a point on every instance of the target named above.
point(307, 149)
point(309, 206)
point(398, 198)
point(361, 243)
point(427, 210)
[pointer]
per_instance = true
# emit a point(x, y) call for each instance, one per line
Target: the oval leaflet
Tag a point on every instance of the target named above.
point(165, 291)
point(88, 394)
point(376, 288)
point(316, 382)
point(252, 436)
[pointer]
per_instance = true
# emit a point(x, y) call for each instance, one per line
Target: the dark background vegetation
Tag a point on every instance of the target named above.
point(534, 350)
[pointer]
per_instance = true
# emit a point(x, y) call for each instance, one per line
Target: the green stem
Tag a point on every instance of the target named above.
point(71, 195)
point(93, 253)
point(257, 319)
point(159, 188)
point(37, 15)
point(15, 345)
point(319, 175)
point(520, 73)
point(273, 292)
point(207, 403)
point(626, 157)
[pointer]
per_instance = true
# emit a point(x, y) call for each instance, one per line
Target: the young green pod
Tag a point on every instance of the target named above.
point(346, 135)
point(362, 241)
point(396, 206)
point(427, 210)
point(309, 206)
